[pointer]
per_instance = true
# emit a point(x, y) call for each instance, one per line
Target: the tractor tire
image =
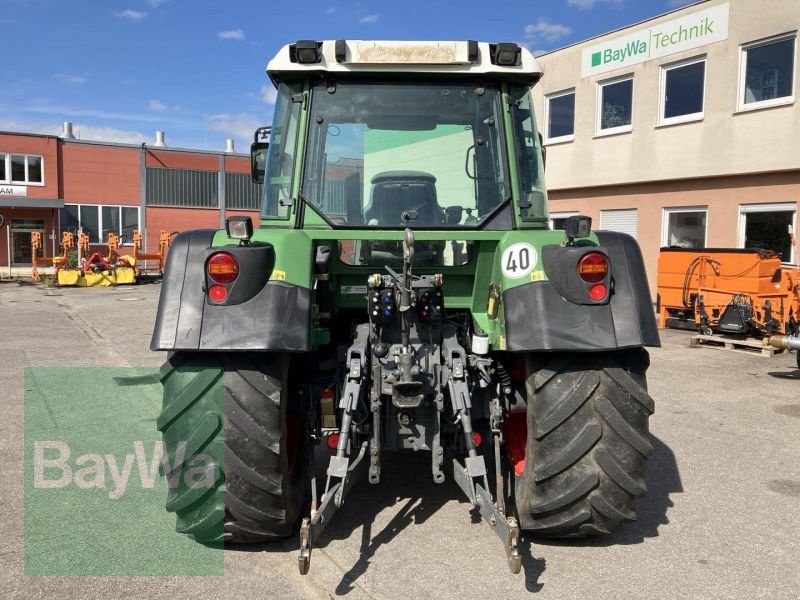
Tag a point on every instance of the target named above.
point(587, 441)
point(233, 407)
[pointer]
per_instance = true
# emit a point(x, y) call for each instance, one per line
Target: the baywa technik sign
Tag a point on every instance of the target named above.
point(691, 31)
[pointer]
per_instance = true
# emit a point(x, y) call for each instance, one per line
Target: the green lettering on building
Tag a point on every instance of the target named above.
point(683, 34)
point(693, 30)
point(632, 48)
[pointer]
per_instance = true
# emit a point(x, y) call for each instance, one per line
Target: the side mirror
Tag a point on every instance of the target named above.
point(258, 160)
point(577, 227)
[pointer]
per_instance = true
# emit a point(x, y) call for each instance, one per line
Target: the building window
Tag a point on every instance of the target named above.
point(557, 219)
point(615, 106)
point(624, 221)
point(98, 221)
point(769, 227)
point(128, 223)
point(682, 91)
point(241, 193)
point(90, 223)
point(560, 117)
point(182, 187)
point(684, 227)
point(21, 168)
point(767, 76)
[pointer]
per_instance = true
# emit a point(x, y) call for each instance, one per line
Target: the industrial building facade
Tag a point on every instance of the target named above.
point(682, 130)
point(52, 184)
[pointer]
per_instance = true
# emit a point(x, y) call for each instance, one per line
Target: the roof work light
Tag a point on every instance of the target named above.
point(305, 52)
point(506, 54)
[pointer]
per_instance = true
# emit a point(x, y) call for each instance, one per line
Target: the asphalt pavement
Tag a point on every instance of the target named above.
point(720, 520)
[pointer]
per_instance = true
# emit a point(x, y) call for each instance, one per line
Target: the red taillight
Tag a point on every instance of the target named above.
point(222, 267)
point(597, 292)
point(477, 438)
point(333, 441)
point(217, 293)
point(593, 267)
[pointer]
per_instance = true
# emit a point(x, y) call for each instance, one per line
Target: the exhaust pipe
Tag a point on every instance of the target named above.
point(784, 342)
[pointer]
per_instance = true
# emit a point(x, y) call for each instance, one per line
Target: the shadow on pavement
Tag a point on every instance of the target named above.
point(663, 479)
point(419, 498)
point(785, 374)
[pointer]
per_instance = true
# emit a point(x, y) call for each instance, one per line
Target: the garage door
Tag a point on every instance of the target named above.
point(619, 220)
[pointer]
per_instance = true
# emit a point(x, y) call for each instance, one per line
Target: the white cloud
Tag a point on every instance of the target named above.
point(70, 79)
point(132, 15)
point(331, 10)
point(545, 31)
point(88, 113)
point(157, 105)
point(268, 93)
point(157, 3)
point(367, 19)
point(588, 4)
point(81, 130)
point(109, 134)
point(231, 34)
point(240, 126)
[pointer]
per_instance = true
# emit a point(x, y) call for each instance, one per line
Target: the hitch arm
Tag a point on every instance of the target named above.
point(332, 500)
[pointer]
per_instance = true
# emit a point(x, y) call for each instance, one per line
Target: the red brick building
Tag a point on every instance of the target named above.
point(52, 184)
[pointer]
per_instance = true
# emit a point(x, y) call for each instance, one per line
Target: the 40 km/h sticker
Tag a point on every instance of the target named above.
point(518, 260)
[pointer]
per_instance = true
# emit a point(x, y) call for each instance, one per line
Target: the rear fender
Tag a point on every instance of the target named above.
point(259, 313)
point(547, 316)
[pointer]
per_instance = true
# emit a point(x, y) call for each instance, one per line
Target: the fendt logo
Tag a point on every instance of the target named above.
point(692, 31)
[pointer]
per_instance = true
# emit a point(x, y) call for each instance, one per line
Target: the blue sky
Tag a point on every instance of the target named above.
point(122, 69)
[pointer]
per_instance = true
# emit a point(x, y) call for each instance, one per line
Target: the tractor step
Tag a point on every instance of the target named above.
point(720, 342)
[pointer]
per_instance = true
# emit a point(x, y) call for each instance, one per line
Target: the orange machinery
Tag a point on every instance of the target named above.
point(164, 240)
point(730, 291)
point(36, 244)
point(59, 262)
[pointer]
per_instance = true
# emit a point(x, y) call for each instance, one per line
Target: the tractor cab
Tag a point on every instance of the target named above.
point(364, 137)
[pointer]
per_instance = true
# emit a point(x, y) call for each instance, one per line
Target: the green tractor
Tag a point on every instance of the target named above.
point(404, 292)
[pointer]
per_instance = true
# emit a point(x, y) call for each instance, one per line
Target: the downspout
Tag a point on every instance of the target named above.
point(8, 244)
point(223, 201)
point(143, 196)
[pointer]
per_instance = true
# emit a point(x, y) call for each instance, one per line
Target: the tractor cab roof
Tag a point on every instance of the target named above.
point(466, 58)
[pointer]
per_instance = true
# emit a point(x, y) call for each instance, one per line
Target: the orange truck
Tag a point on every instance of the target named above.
point(743, 292)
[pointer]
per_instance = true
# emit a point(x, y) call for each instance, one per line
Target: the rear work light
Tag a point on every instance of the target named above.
point(222, 267)
point(593, 267)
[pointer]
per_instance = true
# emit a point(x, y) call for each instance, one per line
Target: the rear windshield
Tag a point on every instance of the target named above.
point(394, 155)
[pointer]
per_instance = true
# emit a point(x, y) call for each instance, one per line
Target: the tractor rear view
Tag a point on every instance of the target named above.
point(403, 293)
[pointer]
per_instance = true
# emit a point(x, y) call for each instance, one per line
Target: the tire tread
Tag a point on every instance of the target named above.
point(587, 442)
